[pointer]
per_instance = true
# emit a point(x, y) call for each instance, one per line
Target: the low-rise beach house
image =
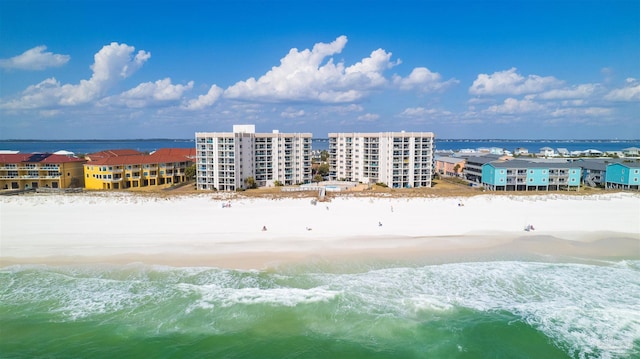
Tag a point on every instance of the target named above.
point(625, 175)
point(521, 175)
point(123, 169)
point(40, 170)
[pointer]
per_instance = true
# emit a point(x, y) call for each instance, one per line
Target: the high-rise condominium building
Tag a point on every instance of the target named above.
point(225, 160)
point(397, 159)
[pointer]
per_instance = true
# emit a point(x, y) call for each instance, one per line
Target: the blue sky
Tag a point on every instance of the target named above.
point(461, 69)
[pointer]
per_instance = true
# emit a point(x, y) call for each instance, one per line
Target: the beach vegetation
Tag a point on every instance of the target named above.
point(323, 169)
point(250, 182)
point(317, 178)
point(190, 172)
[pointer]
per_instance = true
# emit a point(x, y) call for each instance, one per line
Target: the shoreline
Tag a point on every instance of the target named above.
point(536, 248)
point(199, 231)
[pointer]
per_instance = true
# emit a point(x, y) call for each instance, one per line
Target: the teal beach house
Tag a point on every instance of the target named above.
point(623, 176)
point(519, 175)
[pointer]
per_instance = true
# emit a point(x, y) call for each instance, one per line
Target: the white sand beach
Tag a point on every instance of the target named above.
point(203, 230)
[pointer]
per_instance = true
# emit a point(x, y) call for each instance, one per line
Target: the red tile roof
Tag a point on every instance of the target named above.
point(163, 155)
point(112, 153)
point(38, 158)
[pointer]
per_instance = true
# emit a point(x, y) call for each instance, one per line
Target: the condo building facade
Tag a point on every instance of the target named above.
point(225, 160)
point(397, 159)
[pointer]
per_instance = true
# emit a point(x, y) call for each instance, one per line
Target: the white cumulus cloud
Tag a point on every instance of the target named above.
point(292, 113)
point(112, 63)
point(514, 106)
point(423, 80)
point(509, 82)
point(35, 59)
point(575, 92)
point(308, 76)
point(415, 112)
point(368, 117)
point(631, 92)
point(579, 111)
point(206, 100)
point(148, 93)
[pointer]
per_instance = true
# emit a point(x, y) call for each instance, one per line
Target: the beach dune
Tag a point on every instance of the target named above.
point(256, 233)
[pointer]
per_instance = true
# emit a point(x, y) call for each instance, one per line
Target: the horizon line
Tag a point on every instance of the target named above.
point(320, 138)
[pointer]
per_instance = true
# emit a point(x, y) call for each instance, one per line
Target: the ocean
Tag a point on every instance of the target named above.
point(494, 309)
point(147, 145)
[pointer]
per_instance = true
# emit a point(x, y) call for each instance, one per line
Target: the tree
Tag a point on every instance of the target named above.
point(190, 172)
point(317, 178)
point(323, 169)
point(250, 182)
point(456, 168)
point(324, 155)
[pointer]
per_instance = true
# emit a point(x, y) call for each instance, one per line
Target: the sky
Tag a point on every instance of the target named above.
point(516, 69)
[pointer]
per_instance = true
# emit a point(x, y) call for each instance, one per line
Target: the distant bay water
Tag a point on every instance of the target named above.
point(148, 145)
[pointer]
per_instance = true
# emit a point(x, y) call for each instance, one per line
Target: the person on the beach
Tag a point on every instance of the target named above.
point(379, 224)
point(264, 228)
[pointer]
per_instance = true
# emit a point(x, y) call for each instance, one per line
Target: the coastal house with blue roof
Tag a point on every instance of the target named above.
point(625, 175)
point(522, 175)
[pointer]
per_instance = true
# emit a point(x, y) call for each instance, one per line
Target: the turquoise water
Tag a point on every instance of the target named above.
point(502, 309)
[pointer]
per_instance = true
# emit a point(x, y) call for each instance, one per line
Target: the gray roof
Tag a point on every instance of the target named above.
point(599, 164)
point(482, 159)
point(530, 164)
point(446, 159)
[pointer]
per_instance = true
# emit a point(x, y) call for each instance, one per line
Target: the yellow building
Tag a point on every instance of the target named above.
point(123, 169)
point(40, 170)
